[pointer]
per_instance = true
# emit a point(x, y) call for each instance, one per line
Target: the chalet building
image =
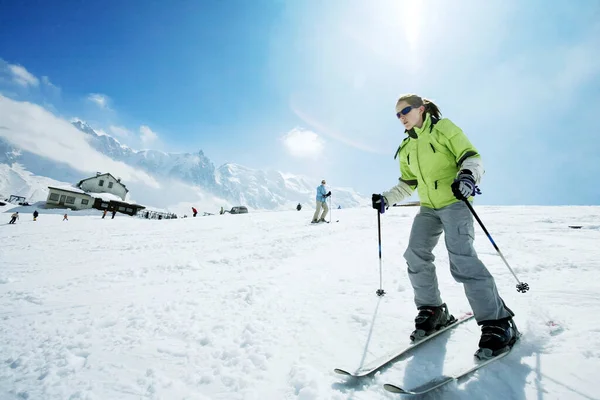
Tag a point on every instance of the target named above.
point(104, 183)
point(102, 192)
point(68, 197)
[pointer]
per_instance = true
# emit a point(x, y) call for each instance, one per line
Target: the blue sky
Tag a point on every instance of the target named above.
point(309, 87)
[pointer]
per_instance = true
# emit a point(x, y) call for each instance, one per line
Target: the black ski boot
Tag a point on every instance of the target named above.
point(497, 337)
point(431, 319)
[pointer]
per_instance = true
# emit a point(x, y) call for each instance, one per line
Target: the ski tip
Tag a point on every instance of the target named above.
point(425, 388)
point(342, 372)
point(394, 389)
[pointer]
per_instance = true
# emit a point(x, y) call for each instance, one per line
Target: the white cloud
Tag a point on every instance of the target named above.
point(49, 86)
point(17, 75)
point(147, 136)
point(34, 129)
point(21, 76)
point(99, 99)
point(303, 144)
point(120, 131)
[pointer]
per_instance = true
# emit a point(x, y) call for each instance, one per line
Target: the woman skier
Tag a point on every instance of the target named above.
point(438, 159)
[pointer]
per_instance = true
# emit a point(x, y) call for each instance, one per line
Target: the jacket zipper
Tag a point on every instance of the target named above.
point(421, 173)
point(432, 148)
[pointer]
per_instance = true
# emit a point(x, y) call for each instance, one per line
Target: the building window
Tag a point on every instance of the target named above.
point(101, 183)
point(70, 200)
point(54, 197)
point(121, 208)
point(104, 205)
point(84, 201)
point(110, 185)
point(130, 210)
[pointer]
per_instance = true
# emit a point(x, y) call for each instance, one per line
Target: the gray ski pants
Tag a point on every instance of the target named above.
point(456, 222)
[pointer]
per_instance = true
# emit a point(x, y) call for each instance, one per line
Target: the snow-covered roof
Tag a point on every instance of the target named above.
point(103, 195)
point(111, 197)
point(106, 196)
point(71, 189)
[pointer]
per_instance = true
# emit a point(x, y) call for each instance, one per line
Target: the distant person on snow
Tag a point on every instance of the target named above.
point(14, 218)
point(65, 217)
point(113, 214)
point(194, 211)
point(35, 215)
point(322, 196)
point(104, 213)
point(299, 207)
point(438, 159)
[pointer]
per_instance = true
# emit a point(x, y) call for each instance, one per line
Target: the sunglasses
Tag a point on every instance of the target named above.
point(404, 111)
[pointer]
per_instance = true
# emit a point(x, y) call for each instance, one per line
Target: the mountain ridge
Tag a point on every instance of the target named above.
point(229, 184)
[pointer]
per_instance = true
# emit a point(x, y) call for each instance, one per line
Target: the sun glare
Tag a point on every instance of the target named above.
point(411, 17)
point(397, 31)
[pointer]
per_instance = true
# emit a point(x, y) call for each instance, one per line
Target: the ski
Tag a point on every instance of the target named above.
point(440, 381)
point(391, 357)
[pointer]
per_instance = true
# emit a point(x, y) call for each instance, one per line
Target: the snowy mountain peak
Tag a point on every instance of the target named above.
point(83, 126)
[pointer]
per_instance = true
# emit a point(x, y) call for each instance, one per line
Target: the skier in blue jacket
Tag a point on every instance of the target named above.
point(322, 195)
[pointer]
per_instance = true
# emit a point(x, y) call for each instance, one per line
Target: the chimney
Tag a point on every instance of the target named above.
point(119, 179)
point(98, 173)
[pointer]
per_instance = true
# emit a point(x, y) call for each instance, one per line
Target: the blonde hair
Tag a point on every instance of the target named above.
point(414, 100)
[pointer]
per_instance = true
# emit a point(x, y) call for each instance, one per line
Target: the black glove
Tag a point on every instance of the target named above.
point(464, 186)
point(378, 202)
point(328, 194)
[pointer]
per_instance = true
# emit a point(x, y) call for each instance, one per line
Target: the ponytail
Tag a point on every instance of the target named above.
point(432, 108)
point(416, 101)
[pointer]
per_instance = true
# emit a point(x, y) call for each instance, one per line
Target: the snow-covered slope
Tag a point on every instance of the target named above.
point(16, 180)
point(265, 305)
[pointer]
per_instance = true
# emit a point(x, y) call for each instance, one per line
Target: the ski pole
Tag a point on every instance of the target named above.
point(380, 292)
point(521, 286)
point(331, 211)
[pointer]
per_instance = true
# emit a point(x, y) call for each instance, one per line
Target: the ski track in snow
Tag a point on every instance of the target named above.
point(265, 305)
